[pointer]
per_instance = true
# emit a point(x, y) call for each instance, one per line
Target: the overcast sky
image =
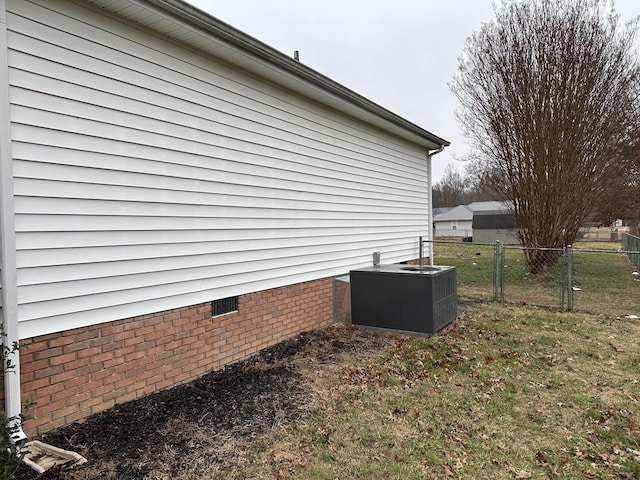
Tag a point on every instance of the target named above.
point(401, 54)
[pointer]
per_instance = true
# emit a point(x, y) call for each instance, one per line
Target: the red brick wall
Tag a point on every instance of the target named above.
point(76, 373)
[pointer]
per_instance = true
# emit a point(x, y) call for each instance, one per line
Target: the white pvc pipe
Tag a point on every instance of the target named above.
point(8, 272)
point(430, 201)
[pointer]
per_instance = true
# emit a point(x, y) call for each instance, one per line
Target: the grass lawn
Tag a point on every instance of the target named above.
point(507, 392)
point(605, 281)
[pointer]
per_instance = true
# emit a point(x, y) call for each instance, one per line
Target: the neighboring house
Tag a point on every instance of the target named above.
point(484, 222)
point(493, 221)
point(176, 195)
point(455, 222)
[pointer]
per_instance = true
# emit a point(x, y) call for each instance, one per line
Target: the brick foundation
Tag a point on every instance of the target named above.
point(76, 373)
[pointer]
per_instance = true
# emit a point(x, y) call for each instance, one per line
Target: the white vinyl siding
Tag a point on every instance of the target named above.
point(148, 176)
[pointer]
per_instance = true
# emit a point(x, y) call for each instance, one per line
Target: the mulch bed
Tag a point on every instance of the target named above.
point(199, 428)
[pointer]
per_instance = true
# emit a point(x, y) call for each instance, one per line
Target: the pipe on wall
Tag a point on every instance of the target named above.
point(8, 271)
point(430, 154)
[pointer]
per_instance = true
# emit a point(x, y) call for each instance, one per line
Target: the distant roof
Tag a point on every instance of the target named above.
point(465, 212)
point(491, 205)
point(440, 210)
point(461, 212)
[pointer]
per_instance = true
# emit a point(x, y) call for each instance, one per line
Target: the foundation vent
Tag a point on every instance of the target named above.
point(224, 305)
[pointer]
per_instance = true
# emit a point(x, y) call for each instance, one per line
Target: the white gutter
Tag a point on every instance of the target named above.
point(8, 272)
point(430, 201)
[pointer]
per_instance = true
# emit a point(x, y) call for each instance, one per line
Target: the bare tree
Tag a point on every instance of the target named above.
point(455, 189)
point(621, 201)
point(451, 189)
point(549, 95)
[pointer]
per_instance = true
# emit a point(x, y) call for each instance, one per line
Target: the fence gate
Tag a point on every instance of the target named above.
point(534, 276)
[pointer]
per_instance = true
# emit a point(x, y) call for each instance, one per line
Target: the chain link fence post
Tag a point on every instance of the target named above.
point(503, 257)
point(498, 294)
point(569, 278)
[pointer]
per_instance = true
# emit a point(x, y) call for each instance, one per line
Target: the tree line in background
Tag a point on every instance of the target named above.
point(455, 189)
point(621, 199)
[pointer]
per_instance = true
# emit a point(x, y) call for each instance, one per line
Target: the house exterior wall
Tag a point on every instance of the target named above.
point(445, 228)
point(150, 177)
point(82, 371)
point(455, 222)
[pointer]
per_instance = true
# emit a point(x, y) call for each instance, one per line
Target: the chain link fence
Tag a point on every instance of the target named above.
point(603, 281)
point(600, 281)
point(631, 244)
point(475, 267)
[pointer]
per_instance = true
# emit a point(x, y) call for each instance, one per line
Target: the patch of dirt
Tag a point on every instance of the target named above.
point(200, 428)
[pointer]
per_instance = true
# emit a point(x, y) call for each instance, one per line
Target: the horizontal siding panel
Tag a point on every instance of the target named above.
point(168, 114)
point(281, 163)
point(170, 155)
point(196, 173)
point(146, 131)
point(271, 209)
point(148, 176)
point(130, 71)
point(66, 223)
point(181, 125)
point(177, 238)
point(71, 264)
point(217, 194)
point(38, 321)
point(76, 30)
point(256, 264)
point(61, 305)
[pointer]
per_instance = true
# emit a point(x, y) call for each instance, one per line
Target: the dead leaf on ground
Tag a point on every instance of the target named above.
point(541, 457)
point(522, 474)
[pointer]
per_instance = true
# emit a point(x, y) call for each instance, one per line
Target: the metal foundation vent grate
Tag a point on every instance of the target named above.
point(224, 305)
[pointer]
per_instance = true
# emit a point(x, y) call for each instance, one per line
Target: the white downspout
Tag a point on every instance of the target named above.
point(430, 201)
point(8, 270)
